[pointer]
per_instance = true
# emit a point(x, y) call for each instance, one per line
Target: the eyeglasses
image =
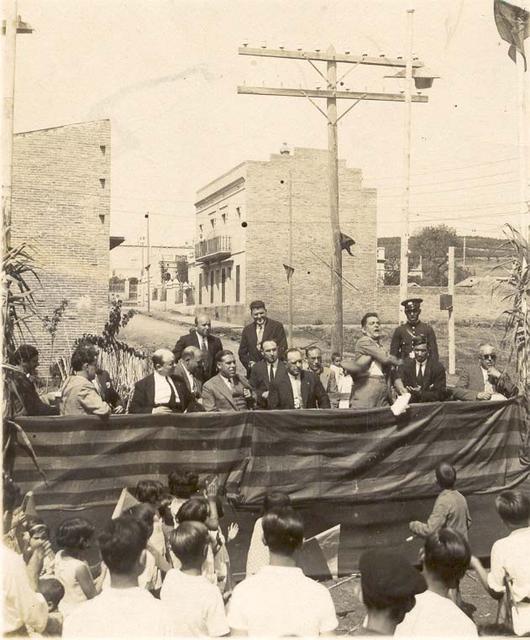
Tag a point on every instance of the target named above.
point(489, 356)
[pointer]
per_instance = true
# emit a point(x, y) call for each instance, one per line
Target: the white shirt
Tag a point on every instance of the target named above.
point(511, 556)
point(22, 605)
point(296, 385)
point(258, 552)
point(434, 615)
point(119, 613)
point(163, 386)
point(191, 379)
point(229, 382)
point(203, 342)
point(422, 365)
point(487, 384)
point(194, 604)
point(274, 369)
point(260, 328)
point(281, 601)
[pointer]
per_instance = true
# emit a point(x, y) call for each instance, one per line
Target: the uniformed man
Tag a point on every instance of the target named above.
point(401, 345)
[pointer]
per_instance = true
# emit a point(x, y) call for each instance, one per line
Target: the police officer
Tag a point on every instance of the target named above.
point(402, 339)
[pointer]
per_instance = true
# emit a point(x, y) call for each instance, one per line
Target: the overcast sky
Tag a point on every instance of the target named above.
point(165, 72)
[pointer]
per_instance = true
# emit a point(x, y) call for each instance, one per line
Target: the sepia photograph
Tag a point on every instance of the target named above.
point(266, 339)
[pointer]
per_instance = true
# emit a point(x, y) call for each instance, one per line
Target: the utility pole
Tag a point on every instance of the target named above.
point(451, 319)
point(405, 214)
point(464, 254)
point(290, 259)
point(13, 25)
point(148, 265)
point(331, 94)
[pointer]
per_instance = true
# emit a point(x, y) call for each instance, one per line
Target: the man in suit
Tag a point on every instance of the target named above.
point(421, 376)
point(253, 336)
point(483, 381)
point(188, 368)
point(106, 390)
point(265, 371)
point(227, 391)
point(78, 394)
point(325, 374)
point(401, 345)
point(201, 338)
point(296, 388)
point(27, 401)
point(161, 391)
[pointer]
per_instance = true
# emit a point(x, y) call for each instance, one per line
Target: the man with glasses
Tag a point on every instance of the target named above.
point(484, 381)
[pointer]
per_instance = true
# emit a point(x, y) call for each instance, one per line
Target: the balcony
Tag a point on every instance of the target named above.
point(213, 250)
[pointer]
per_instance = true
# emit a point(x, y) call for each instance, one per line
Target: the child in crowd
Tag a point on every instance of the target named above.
point(510, 559)
point(149, 492)
point(389, 585)
point(199, 510)
point(450, 507)
point(336, 366)
point(258, 553)
point(53, 592)
point(182, 486)
point(150, 577)
point(124, 610)
point(446, 560)
point(195, 604)
point(166, 519)
point(37, 530)
point(74, 537)
point(280, 600)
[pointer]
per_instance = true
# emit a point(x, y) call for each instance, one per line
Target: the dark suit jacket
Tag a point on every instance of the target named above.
point(27, 401)
point(192, 340)
point(143, 398)
point(108, 392)
point(259, 379)
point(471, 382)
point(248, 349)
point(180, 373)
point(433, 388)
point(313, 393)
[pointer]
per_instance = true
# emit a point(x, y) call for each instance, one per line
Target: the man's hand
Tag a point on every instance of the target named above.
point(212, 487)
point(119, 409)
point(397, 362)
point(416, 388)
point(246, 393)
point(494, 373)
point(160, 410)
point(483, 395)
point(265, 395)
point(251, 364)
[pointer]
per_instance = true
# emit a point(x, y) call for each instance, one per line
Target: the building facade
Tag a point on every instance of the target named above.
point(61, 209)
point(243, 222)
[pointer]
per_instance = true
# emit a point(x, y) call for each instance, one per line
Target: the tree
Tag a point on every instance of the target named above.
point(432, 243)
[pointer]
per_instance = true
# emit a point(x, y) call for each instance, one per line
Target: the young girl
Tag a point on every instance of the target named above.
point(258, 553)
point(149, 492)
point(74, 537)
point(182, 486)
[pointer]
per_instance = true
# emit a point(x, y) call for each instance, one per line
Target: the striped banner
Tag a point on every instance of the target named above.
point(314, 455)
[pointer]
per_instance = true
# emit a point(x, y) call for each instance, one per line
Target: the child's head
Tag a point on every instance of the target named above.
point(514, 508)
point(37, 528)
point(189, 542)
point(144, 513)
point(275, 500)
point(447, 556)
point(445, 475)
point(164, 509)
point(183, 484)
point(75, 534)
point(52, 590)
point(148, 491)
point(122, 543)
point(283, 531)
point(336, 358)
point(195, 509)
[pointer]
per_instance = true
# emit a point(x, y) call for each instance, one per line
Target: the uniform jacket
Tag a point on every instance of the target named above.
point(192, 340)
point(143, 398)
point(259, 379)
point(313, 393)
point(471, 382)
point(433, 388)
point(248, 349)
point(401, 344)
point(216, 396)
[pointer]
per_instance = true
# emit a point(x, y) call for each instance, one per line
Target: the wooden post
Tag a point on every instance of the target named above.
point(290, 259)
point(333, 178)
point(148, 266)
point(404, 248)
point(451, 318)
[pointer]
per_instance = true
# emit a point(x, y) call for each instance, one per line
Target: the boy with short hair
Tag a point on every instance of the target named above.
point(450, 508)
point(124, 610)
point(195, 604)
point(510, 558)
point(446, 559)
point(279, 600)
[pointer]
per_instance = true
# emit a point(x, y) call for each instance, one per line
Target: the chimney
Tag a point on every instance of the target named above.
point(284, 150)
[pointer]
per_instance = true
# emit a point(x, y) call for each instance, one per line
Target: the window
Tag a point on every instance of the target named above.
point(212, 276)
point(200, 288)
point(238, 283)
point(223, 276)
point(223, 216)
point(102, 182)
point(154, 295)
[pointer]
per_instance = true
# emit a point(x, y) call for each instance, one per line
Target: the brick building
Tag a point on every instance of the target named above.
point(61, 208)
point(242, 239)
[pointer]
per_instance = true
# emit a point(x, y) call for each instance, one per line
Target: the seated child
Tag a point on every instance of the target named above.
point(74, 536)
point(196, 605)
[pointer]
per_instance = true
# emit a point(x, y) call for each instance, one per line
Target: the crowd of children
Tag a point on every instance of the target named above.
point(165, 571)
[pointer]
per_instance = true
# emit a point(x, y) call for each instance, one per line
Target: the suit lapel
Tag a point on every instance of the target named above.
point(150, 389)
point(223, 390)
point(305, 389)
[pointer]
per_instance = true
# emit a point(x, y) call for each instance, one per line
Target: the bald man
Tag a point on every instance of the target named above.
point(161, 391)
point(202, 338)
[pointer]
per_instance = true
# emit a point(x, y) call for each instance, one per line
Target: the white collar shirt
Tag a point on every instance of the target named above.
point(229, 382)
point(203, 342)
point(191, 379)
point(487, 384)
point(296, 386)
point(260, 328)
point(163, 386)
point(510, 556)
point(423, 366)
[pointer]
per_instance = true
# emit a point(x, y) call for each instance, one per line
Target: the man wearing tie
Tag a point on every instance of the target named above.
point(325, 374)
point(188, 368)
point(161, 391)
point(265, 371)
point(421, 376)
point(227, 391)
point(253, 336)
point(296, 388)
point(201, 338)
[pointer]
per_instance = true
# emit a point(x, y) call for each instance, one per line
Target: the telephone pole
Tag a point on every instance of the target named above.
point(331, 94)
point(148, 265)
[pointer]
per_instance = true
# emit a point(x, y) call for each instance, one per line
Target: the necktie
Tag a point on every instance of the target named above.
point(419, 377)
point(204, 345)
point(271, 373)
